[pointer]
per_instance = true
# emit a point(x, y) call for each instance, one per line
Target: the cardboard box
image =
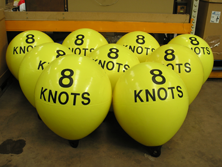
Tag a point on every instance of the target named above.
point(2, 4)
point(141, 6)
point(3, 47)
point(209, 25)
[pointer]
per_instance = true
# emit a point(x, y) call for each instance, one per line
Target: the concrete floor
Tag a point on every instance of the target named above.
point(27, 142)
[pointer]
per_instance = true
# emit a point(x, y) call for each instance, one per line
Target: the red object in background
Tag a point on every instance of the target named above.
point(21, 2)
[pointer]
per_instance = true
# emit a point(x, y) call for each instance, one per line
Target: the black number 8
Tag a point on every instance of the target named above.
point(71, 73)
point(157, 73)
point(30, 38)
point(140, 39)
point(114, 52)
point(79, 39)
point(194, 41)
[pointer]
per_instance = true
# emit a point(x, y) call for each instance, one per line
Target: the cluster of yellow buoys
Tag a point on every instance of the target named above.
point(73, 85)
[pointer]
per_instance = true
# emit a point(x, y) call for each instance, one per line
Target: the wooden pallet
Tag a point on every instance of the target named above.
point(216, 74)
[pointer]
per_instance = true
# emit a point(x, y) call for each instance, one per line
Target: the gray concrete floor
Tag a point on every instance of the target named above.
point(197, 143)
